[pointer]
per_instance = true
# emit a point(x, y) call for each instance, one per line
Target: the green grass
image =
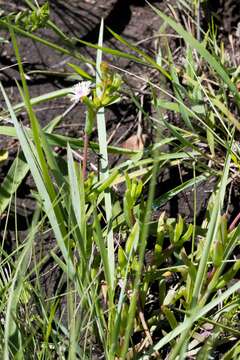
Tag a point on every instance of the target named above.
point(109, 300)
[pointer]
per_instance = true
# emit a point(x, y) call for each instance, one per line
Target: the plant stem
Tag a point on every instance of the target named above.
point(85, 153)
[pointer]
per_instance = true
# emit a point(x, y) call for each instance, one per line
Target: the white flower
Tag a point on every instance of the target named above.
point(80, 90)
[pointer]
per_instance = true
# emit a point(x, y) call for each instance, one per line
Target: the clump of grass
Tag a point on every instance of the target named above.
point(110, 300)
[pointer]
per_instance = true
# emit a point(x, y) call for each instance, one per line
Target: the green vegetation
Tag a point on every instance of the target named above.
point(110, 300)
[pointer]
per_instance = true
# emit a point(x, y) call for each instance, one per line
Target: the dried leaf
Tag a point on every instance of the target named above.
point(135, 142)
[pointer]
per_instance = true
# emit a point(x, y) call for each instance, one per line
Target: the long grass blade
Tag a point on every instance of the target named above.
point(104, 171)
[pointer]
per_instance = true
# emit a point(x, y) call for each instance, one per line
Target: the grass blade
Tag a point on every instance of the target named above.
point(104, 171)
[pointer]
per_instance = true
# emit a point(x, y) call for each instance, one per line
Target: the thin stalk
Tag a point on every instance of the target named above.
point(85, 154)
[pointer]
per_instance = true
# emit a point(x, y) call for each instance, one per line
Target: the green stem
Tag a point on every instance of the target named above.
point(85, 154)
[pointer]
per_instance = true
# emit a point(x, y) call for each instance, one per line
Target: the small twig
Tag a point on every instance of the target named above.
point(144, 324)
point(125, 134)
point(234, 222)
point(79, 156)
point(113, 133)
point(148, 340)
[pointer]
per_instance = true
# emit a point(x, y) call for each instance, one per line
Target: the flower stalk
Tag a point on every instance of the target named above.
point(82, 92)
